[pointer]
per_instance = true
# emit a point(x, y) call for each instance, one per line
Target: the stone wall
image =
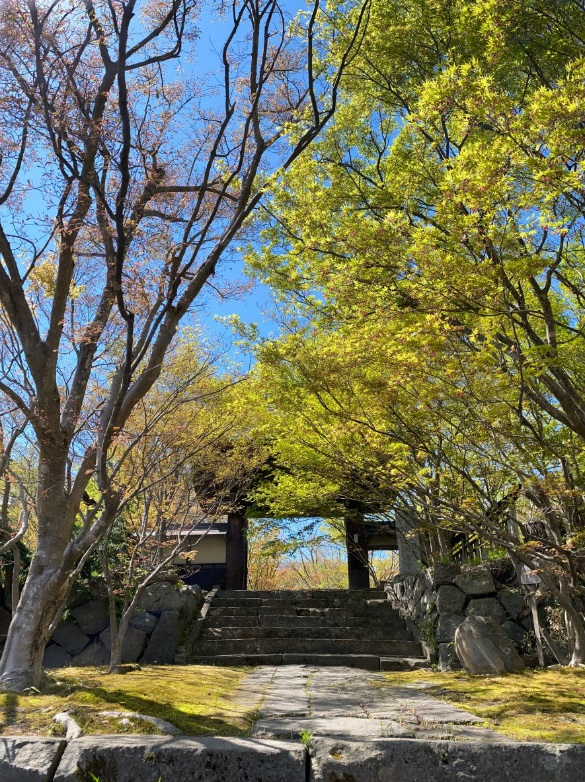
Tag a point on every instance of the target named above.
point(156, 630)
point(218, 759)
point(435, 602)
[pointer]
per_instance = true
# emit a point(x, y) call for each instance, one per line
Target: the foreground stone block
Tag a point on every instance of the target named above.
point(413, 760)
point(483, 647)
point(208, 759)
point(29, 759)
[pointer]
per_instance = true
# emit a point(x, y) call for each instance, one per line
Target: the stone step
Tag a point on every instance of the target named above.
point(395, 629)
point(368, 661)
point(393, 648)
point(365, 625)
point(403, 663)
point(303, 594)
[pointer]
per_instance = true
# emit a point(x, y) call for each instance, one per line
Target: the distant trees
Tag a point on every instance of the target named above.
point(429, 258)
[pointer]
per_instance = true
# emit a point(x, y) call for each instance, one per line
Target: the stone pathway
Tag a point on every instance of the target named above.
point(299, 700)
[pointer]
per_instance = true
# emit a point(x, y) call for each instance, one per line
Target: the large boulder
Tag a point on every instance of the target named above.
point(483, 647)
point(192, 600)
point(513, 601)
point(476, 582)
point(450, 599)
point(160, 597)
point(163, 642)
point(144, 621)
point(68, 635)
point(486, 606)
point(448, 660)
point(56, 657)
point(132, 645)
point(92, 617)
point(446, 627)
point(94, 654)
point(445, 573)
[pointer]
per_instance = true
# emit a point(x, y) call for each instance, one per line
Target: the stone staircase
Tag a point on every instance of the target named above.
point(313, 627)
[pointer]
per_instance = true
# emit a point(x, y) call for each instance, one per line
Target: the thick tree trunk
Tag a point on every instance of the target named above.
point(42, 596)
point(48, 582)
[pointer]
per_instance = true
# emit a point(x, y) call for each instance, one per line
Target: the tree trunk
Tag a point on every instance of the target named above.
point(48, 582)
point(42, 596)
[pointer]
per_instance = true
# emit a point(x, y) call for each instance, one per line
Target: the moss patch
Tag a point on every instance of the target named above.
point(195, 699)
point(535, 705)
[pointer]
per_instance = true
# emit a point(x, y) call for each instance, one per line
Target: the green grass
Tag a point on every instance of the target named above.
point(535, 705)
point(196, 699)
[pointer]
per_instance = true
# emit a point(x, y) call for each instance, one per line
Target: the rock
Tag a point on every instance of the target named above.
point(476, 582)
point(144, 621)
point(92, 617)
point(132, 645)
point(56, 657)
point(184, 759)
point(29, 759)
point(515, 632)
point(450, 599)
point(486, 606)
point(78, 596)
point(192, 600)
point(68, 635)
point(483, 647)
point(94, 654)
point(446, 627)
point(448, 660)
point(161, 597)
point(445, 573)
point(513, 601)
point(416, 760)
point(163, 641)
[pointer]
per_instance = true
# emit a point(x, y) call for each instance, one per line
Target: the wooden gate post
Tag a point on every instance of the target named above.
point(356, 542)
point(236, 551)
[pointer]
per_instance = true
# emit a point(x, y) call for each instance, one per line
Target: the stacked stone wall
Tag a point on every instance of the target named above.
point(436, 601)
point(158, 627)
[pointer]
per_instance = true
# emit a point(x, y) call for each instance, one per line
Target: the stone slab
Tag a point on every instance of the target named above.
point(413, 760)
point(368, 661)
point(185, 759)
point(29, 758)
point(343, 727)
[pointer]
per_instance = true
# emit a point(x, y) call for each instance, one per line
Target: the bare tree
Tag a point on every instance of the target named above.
point(124, 178)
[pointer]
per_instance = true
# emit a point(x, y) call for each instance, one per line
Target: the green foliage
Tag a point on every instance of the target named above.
point(428, 260)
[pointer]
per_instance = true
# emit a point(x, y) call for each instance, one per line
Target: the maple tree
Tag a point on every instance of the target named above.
point(429, 261)
point(125, 175)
